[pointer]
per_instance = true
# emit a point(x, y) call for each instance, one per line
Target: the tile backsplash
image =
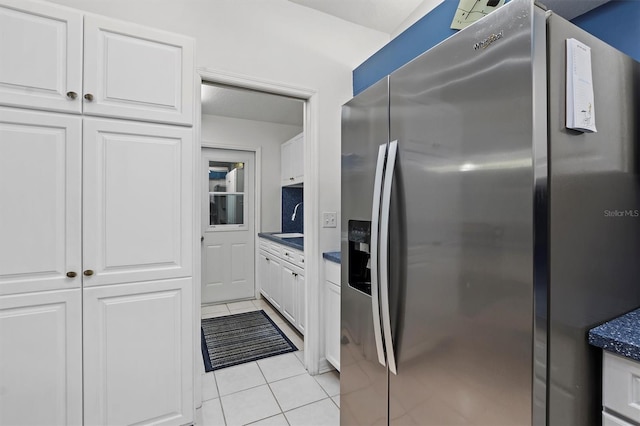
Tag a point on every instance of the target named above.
point(290, 198)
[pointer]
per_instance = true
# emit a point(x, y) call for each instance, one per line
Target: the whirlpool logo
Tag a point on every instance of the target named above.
point(622, 213)
point(488, 41)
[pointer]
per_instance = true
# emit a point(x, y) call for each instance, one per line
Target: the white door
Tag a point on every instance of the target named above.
point(138, 357)
point(136, 201)
point(228, 271)
point(40, 56)
point(40, 188)
point(137, 72)
point(41, 358)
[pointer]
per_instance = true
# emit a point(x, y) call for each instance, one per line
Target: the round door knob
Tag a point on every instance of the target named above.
point(88, 272)
point(72, 95)
point(88, 97)
point(71, 274)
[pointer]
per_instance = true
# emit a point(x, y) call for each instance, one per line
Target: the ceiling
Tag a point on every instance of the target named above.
point(251, 105)
point(389, 15)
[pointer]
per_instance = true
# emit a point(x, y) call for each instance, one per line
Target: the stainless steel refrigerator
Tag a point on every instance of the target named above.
point(481, 238)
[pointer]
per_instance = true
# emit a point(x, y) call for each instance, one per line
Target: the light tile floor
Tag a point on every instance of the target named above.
point(271, 391)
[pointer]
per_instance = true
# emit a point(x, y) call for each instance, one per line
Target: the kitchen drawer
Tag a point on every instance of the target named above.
point(275, 248)
point(294, 256)
point(332, 272)
point(263, 244)
point(621, 386)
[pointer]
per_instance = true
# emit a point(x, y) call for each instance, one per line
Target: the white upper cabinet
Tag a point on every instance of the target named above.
point(292, 161)
point(137, 201)
point(56, 58)
point(137, 72)
point(40, 218)
point(40, 56)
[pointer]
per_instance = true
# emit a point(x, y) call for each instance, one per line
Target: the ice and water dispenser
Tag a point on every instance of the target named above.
point(359, 235)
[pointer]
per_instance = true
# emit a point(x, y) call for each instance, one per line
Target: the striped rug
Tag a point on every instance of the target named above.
point(240, 338)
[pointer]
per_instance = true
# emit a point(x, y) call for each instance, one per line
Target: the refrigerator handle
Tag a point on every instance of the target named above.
point(384, 255)
point(375, 223)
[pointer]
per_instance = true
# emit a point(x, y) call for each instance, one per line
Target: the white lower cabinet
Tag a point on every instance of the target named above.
point(620, 389)
point(332, 313)
point(281, 281)
point(41, 358)
point(137, 353)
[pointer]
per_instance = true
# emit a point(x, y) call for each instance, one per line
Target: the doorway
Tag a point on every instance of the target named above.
point(228, 228)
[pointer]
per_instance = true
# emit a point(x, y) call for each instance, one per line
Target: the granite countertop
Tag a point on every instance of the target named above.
point(296, 243)
point(333, 256)
point(620, 336)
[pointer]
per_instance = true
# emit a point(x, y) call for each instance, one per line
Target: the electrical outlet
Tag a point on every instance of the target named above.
point(329, 219)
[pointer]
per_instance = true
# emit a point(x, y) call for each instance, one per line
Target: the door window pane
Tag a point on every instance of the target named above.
point(226, 193)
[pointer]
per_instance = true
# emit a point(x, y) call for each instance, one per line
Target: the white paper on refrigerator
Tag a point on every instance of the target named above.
point(580, 113)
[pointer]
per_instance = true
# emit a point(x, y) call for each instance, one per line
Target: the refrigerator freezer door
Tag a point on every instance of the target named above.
point(462, 257)
point(594, 221)
point(363, 380)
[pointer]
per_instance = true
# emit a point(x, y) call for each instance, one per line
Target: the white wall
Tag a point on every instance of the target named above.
point(253, 134)
point(273, 40)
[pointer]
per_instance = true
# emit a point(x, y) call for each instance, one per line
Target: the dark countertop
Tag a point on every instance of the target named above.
point(296, 243)
point(333, 256)
point(620, 336)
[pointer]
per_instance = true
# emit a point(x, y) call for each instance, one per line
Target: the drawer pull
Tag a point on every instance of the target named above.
point(88, 272)
point(71, 274)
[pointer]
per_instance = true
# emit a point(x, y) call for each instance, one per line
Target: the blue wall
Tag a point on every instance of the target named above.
point(616, 22)
point(291, 197)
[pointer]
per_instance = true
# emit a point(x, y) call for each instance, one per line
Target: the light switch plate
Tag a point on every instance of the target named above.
point(329, 219)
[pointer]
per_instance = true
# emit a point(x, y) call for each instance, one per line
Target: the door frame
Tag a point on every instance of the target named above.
point(257, 196)
point(312, 347)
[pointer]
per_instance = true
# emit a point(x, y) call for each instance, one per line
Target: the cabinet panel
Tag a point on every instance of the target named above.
point(275, 282)
point(138, 353)
point(40, 219)
point(137, 201)
point(332, 324)
point(301, 312)
point(289, 299)
point(41, 51)
point(137, 72)
point(621, 385)
point(41, 358)
point(263, 274)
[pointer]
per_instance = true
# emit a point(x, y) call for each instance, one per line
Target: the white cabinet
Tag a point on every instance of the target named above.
point(40, 221)
point(283, 282)
point(332, 313)
point(136, 201)
point(127, 71)
point(620, 389)
point(138, 343)
point(292, 161)
point(41, 56)
point(136, 72)
point(41, 358)
point(96, 221)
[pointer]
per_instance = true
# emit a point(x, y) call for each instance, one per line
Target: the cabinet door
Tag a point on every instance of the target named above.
point(289, 299)
point(301, 302)
point(286, 168)
point(40, 175)
point(263, 274)
point(137, 72)
point(332, 323)
point(41, 358)
point(275, 282)
point(137, 201)
point(41, 56)
point(297, 161)
point(138, 353)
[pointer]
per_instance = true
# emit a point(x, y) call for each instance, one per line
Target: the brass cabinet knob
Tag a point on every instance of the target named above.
point(88, 272)
point(88, 97)
point(71, 274)
point(72, 95)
